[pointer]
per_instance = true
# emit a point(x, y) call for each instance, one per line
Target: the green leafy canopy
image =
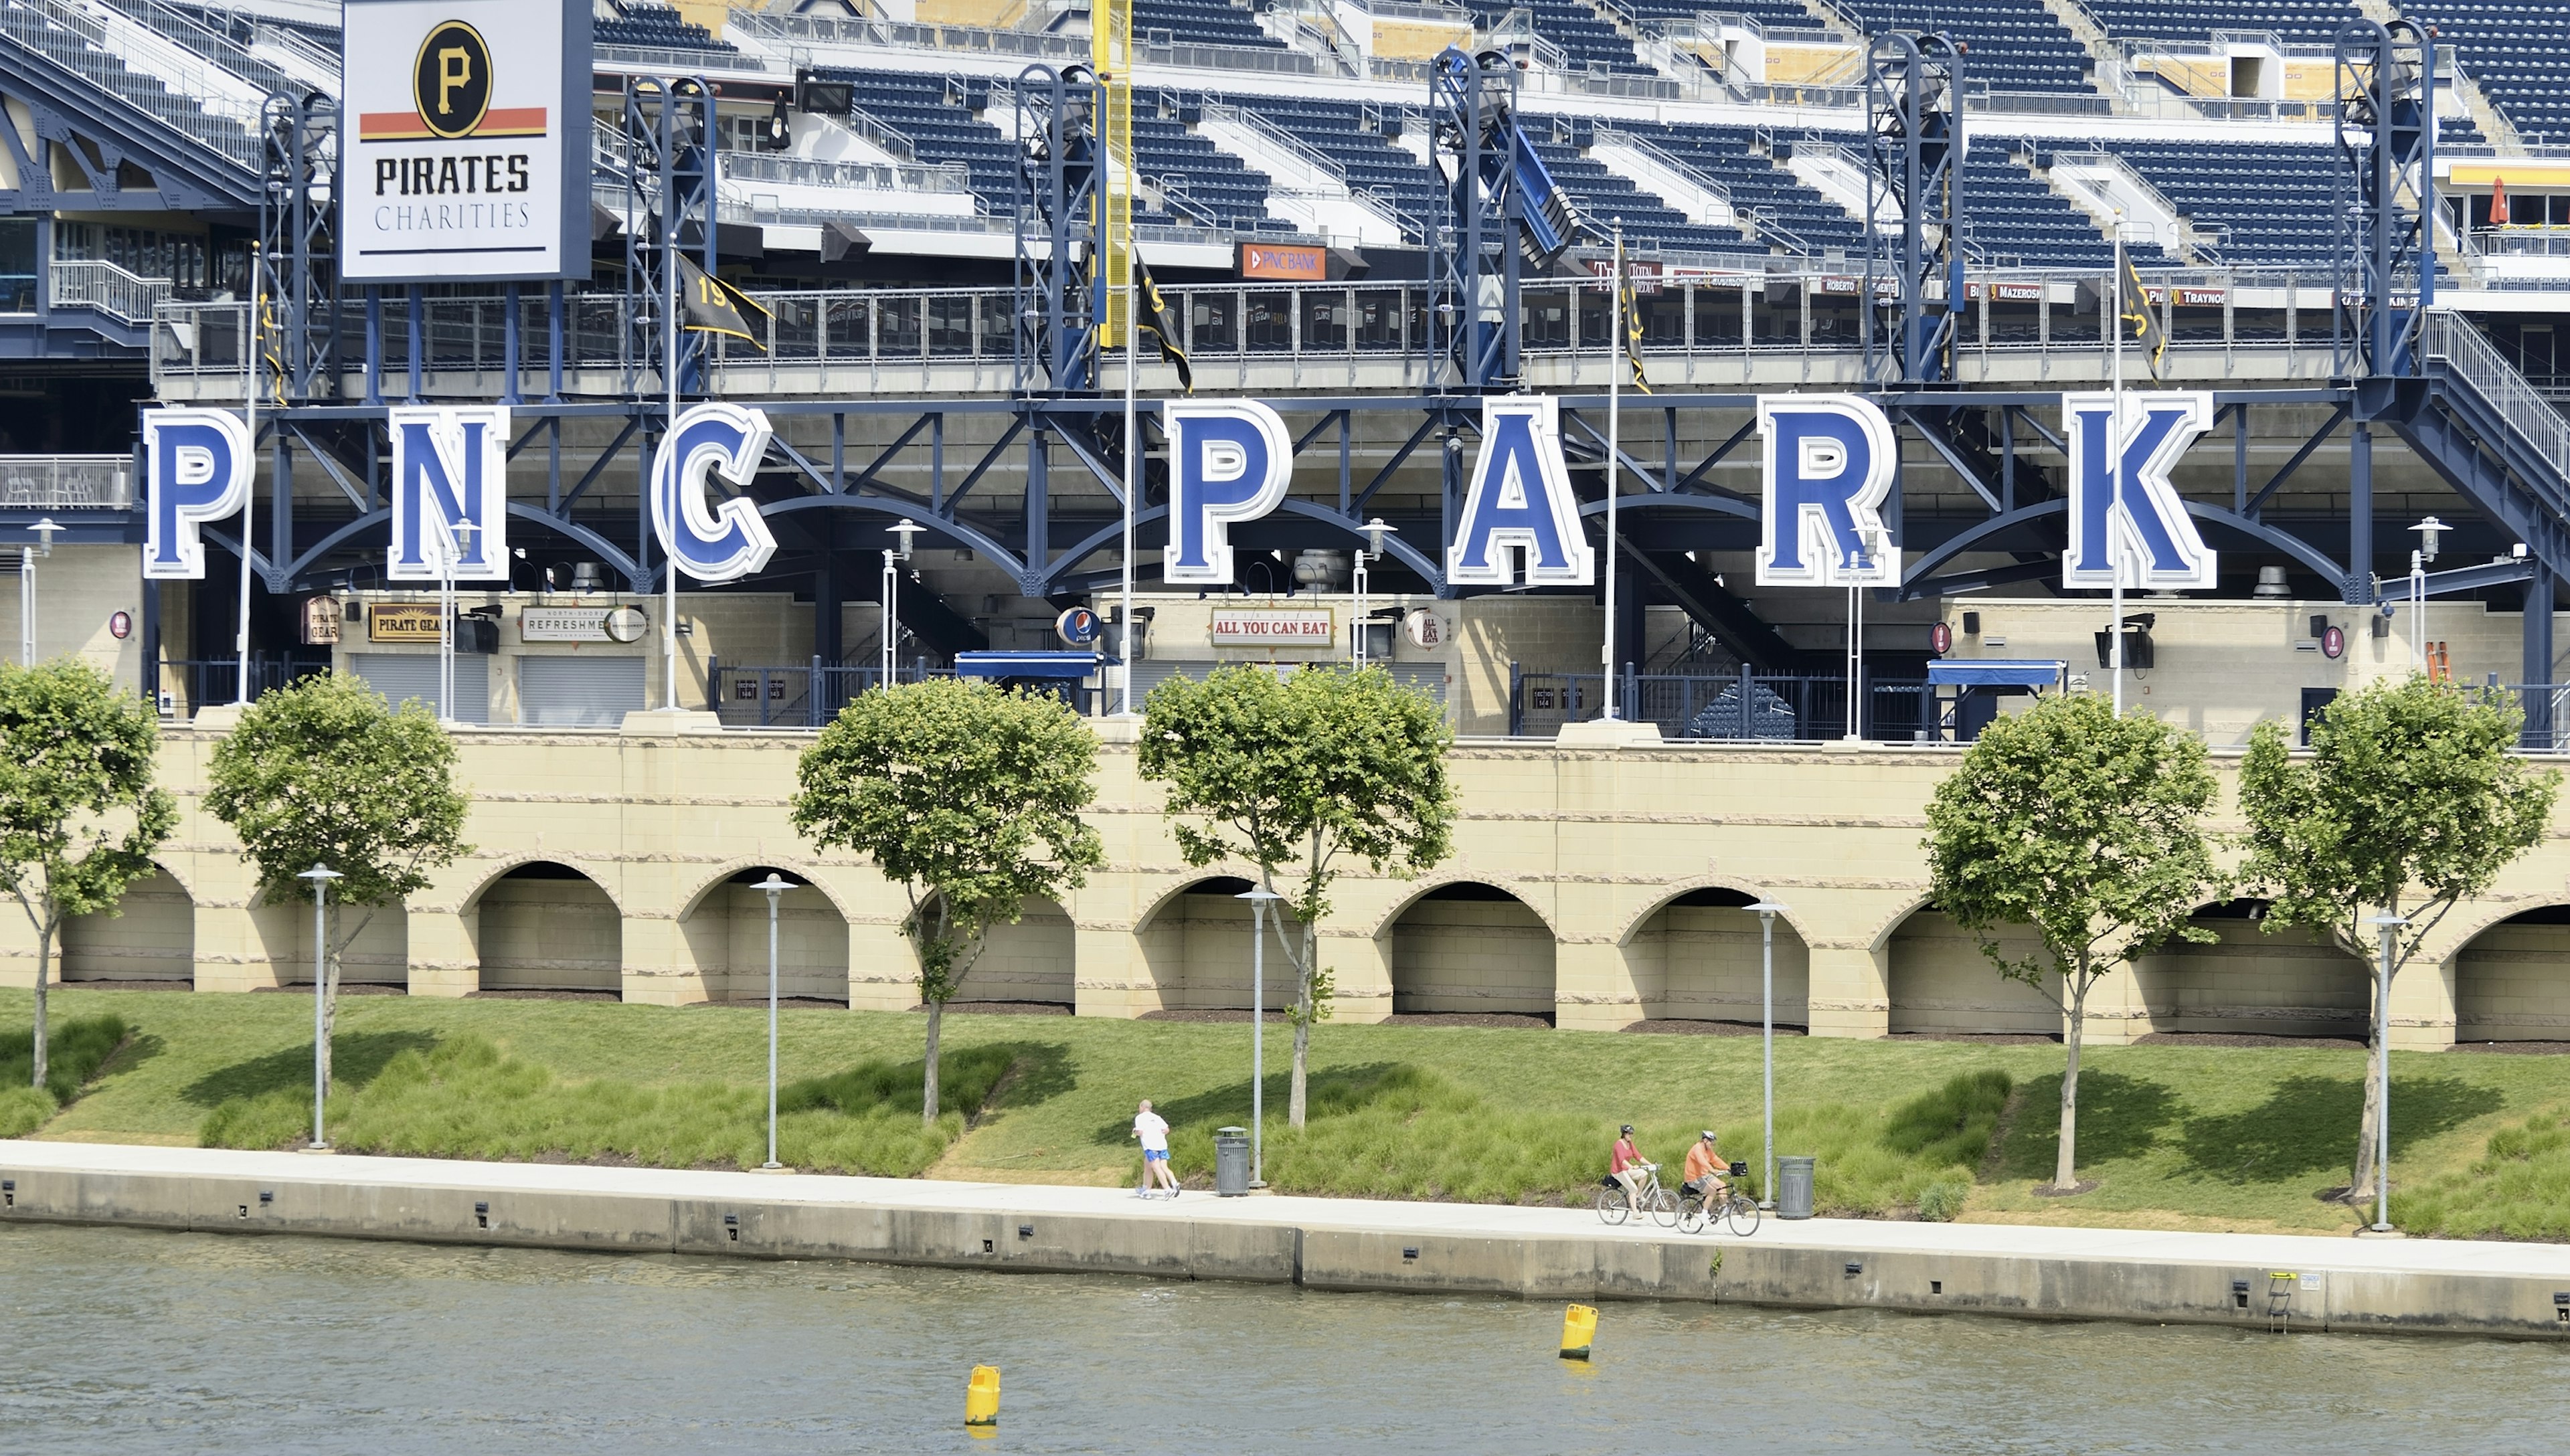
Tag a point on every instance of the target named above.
point(325, 772)
point(968, 795)
point(2082, 825)
point(2410, 791)
point(79, 816)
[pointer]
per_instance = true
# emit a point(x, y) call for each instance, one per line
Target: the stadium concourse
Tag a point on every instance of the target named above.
point(1378, 220)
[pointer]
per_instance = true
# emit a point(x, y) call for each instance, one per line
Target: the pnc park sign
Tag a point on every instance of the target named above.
point(1827, 462)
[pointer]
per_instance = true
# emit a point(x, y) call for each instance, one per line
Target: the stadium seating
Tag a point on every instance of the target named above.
point(2520, 56)
point(2295, 22)
point(1791, 212)
point(1770, 14)
point(1584, 34)
point(914, 106)
point(1650, 224)
point(1223, 189)
point(659, 27)
point(1354, 135)
point(1200, 23)
point(2011, 219)
point(2010, 45)
point(2277, 202)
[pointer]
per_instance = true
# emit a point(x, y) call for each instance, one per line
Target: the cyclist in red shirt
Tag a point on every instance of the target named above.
point(1625, 1165)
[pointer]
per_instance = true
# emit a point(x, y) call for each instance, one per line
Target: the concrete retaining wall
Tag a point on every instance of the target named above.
point(1324, 1245)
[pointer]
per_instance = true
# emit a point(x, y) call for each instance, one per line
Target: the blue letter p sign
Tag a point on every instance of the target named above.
point(1829, 471)
point(197, 467)
point(1229, 461)
point(711, 542)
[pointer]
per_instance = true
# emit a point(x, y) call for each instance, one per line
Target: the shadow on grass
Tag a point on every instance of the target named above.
point(355, 1059)
point(2119, 1117)
point(1329, 1093)
point(967, 1079)
point(2309, 1124)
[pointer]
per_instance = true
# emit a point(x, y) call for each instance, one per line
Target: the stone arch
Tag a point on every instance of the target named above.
point(724, 929)
point(1194, 943)
point(2509, 978)
point(495, 871)
point(1881, 941)
point(1939, 982)
point(1034, 959)
point(541, 924)
point(1678, 890)
point(1699, 955)
point(2247, 981)
point(803, 876)
point(1468, 946)
point(150, 935)
point(1422, 888)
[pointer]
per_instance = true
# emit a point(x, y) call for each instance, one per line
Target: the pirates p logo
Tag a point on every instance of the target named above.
point(451, 81)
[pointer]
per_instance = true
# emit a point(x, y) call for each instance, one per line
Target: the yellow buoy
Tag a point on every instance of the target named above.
point(1579, 1331)
point(981, 1397)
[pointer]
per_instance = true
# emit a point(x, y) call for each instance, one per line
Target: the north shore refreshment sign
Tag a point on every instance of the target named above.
point(467, 141)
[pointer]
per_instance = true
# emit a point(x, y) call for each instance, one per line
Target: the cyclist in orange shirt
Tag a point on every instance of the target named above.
point(1705, 1167)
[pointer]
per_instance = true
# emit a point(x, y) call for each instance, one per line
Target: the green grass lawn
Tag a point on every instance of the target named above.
point(2180, 1137)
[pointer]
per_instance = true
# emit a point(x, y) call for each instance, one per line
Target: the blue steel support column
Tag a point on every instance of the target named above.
point(374, 344)
point(510, 362)
point(418, 312)
point(2537, 670)
point(2358, 590)
point(554, 343)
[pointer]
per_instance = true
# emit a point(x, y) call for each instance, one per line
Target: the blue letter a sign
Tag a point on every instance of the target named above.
point(1519, 498)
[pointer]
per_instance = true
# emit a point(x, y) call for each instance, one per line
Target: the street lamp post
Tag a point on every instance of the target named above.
point(2428, 530)
point(450, 557)
point(2389, 929)
point(27, 556)
point(773, 886)
point(902, 532)
point(1766, 913)
point(320, 876)
point(1376, 530)
point(1259, 897)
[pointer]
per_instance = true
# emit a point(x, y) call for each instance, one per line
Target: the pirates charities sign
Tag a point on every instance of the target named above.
point(466, 141)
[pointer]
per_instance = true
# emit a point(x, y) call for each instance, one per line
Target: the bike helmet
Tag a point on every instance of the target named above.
point(1629, 1129)
point(1708, 1135)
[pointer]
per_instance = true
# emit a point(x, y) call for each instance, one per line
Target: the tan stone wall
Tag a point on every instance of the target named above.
point(1033, 960)
point(1594, 842)
point(2512, 984)
point(2290, 983)
point(79, 589)
point(1472, 955)
point(151, 936)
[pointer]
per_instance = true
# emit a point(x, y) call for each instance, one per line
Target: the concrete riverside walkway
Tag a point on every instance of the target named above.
point(2281, 1281)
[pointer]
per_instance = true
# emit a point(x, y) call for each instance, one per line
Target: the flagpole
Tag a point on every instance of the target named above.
point(249, 503)
point(1132, 367)
point(669, 378)
point(2115, 477)
point(1615, 366)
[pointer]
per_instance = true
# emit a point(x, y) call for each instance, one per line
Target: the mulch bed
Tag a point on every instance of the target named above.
point(1504, 1019)
point(1002, 1008)
point(1681, 1026)
point(2247, 1038)
point(783, 1004)
point(128, 986)
point(346, 988)
point(1240, 1015)
point(544, 995)
point(1981, 1038)
point(2517, 1048)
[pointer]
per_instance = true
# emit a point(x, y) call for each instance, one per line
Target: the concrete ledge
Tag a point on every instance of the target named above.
point(2271, 1282)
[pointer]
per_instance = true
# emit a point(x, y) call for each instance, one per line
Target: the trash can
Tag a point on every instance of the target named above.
point(1793, 1188)
point(1231, 1163)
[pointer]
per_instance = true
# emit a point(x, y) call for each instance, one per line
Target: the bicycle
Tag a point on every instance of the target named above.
point(1613, 1206)
point(1737, 1209)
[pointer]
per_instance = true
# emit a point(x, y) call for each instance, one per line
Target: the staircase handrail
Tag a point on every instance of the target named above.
point(105, 286)
point(1608, 132)
point(222, 50)
point(76, 42)
point(2448, 337)
point(1277, 136)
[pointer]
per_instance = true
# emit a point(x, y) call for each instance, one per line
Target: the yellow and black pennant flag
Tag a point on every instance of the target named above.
point(271, 347)
point(1155, 318)
point(708, 304)
point(1630, 345)
point(2139, 320)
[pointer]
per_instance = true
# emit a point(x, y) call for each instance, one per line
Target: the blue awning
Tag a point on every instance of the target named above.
point(1072, 666)
point(1993, 673)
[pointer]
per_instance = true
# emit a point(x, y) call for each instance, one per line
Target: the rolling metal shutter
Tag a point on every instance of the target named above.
point(579, 692)
point(404, 675)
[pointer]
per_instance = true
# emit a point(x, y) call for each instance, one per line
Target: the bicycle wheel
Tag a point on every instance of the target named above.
point(1665, 1207)
point(1611, 1205)
point(1690, 1215)
point(1742, 1215)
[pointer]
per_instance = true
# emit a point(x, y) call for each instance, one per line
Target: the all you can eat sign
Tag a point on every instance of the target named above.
point(1266, 627)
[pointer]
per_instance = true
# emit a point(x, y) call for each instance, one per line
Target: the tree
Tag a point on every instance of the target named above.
point(2087, 827)
point(1319, 768)
point(2408, 803)
point(325, 772)
point(79, 816)
point(970, 798)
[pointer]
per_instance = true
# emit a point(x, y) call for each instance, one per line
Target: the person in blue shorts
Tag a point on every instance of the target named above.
point(1154, 1133)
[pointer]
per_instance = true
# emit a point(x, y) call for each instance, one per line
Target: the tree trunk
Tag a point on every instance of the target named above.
point(2360, 1179)
point(928, 1092)
point(2066, 1162)
point(1303, 1025)
point(329, 996)
point(44, 968)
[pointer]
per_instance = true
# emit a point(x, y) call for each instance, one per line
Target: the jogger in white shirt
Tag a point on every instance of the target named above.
point(1154, 1133)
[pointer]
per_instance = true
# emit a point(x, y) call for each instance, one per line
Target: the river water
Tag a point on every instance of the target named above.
point(117, 1341)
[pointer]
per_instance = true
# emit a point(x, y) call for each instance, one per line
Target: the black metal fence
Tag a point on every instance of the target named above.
point(807, 695)
point(197, 683)
point(1743, 706)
